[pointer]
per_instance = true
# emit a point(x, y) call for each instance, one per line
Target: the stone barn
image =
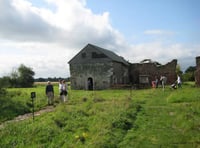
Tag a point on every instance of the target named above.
point(146, 71)
point(97, 68)
point(197, 72)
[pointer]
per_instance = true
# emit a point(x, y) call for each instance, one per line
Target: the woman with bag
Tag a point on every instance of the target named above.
point(63, 91)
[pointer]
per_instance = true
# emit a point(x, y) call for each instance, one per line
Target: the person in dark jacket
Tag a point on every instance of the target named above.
point(50, 93)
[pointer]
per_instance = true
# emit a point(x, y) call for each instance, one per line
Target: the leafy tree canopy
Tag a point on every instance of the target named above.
point(189, 74)
point(26, 74)
point(20, 77)
point(190, 69)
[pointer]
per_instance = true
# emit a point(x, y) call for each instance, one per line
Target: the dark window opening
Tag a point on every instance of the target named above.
point(96, 55)
point(83, 55)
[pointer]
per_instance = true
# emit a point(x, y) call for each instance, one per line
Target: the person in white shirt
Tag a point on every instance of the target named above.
point(163, 80)
point(60, 86)
point(179, 81)
point(63, 91)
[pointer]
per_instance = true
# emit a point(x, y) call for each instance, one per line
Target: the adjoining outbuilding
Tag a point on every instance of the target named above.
point(143, 73)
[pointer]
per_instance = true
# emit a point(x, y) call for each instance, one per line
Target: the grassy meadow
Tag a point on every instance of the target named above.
point(149, 118)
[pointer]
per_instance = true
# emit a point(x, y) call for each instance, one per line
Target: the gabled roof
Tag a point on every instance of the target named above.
point(108, 53)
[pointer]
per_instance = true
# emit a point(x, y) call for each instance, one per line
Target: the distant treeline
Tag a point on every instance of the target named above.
point(54, 79)
point(23, 76)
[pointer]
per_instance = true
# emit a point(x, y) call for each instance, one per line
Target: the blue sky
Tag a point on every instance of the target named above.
point(134, 16)
point(46, 34)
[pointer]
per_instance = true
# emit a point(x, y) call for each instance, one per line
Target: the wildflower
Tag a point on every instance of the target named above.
point(77, 137)
point(84, 135)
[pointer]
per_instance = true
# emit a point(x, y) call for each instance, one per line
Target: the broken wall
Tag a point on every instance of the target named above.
point(152, 70)
point(197, 72)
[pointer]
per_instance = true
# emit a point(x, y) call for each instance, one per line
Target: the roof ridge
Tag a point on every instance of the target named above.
point(110, 54)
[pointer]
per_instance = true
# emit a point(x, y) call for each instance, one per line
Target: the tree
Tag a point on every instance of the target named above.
point(189, 74)
point(20, 77)
point(190, 69)
point(25, 76)
point(14, 78)
point(178, 69)
point(5, 82)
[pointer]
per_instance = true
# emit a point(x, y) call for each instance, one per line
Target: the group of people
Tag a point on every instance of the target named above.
point(62, 92)
point(163, 81)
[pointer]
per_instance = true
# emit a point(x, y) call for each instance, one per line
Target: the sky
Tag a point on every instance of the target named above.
point(45, 34)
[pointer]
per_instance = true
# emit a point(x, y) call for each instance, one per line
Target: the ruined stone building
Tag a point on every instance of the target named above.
point(197, 72)
point(147, 71)
point(97, 68)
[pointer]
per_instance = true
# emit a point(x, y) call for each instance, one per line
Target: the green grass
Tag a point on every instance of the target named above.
point(111, 118)
point(17, 101)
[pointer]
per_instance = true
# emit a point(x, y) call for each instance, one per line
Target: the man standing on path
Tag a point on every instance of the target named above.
point(50, 93)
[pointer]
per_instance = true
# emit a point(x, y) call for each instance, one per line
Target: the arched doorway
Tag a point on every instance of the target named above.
point(90, 83)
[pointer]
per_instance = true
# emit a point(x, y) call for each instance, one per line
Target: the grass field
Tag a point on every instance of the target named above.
point(149, 118)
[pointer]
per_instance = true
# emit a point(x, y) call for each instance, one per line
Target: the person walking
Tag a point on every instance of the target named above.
point(64, 91)
point(50, 93)
point(179, 81)
point(156, 80)
point(60, 88)
point(163, 80)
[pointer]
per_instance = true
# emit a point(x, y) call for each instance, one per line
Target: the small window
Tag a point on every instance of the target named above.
point(83, 55)
point(143, 79)
point(96, 55)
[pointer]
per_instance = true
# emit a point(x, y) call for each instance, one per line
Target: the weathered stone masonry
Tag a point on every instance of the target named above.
point(97, 68)
point(197, 72)
point(152, 70)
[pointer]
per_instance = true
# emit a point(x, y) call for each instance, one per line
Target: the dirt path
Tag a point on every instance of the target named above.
point(28, 115)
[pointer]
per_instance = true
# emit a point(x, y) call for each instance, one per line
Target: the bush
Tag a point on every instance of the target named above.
point(5, 82)
point(22, 77)
point(9, 107)
point(188, 76)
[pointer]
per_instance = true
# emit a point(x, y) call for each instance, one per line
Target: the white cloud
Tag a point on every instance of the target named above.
point(71, 23)
point(46, 39)
point(158, 32)
point(163, 53)
point(46, 59)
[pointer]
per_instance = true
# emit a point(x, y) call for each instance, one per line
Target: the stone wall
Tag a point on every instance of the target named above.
point(99, 73)
point(197, 72)
point(103, 75)
point(152, 70)
point(120, 74)
point(109, 74)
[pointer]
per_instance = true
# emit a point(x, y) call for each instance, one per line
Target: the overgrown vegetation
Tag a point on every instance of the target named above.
point(189, 74)
point(17, 101)
point(22, 77)
point(112, 118)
